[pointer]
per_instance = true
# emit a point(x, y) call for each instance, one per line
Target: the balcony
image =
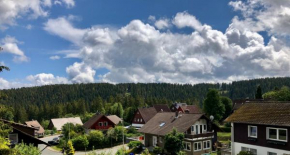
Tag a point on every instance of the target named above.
point(208, 134)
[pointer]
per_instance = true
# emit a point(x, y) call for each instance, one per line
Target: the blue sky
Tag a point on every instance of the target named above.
point(84, 41)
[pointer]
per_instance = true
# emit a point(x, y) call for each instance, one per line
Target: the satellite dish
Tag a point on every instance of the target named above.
point(211, 117)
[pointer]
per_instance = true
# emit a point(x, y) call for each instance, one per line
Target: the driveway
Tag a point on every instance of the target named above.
point(50, 151)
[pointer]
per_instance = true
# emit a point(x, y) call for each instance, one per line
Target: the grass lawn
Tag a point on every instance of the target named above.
point(56, 148)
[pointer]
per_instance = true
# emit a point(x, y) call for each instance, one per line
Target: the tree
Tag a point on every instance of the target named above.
point(70, 150)
point(80, 142)
point(258, 94)
point(213, 106)
point(174, 142)
point(4, 68)
point(23, 149)
point(227, 102)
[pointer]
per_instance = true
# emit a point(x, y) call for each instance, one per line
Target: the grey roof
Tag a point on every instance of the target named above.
point(59, 122)
point(115, 119)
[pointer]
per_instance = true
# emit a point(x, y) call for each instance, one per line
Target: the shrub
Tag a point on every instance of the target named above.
point(245, 153)
point(181, 153)
point(95, 138)
point(80, 142)
point(26, 149)
point(132, 130)
point(133, 144)
point(225, 129)
point(157, 150)
point(70, 150)
point(145, 152)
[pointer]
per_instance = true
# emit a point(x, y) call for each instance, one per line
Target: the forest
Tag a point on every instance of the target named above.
point(53, 101)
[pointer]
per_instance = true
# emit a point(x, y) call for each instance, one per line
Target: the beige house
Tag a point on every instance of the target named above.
point(59, 122)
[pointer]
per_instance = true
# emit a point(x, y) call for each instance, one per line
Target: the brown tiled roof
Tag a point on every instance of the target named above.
point(35, 124)
point(182, 123)
point(92, 120)
point(267, 113)
point(191, 108)
point(162, 107)
point(147, 113)
point(115, 119)
point(239, 102)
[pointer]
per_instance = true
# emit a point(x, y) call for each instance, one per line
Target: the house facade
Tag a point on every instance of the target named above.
point(101, 122)
point(143, 115)
point(261, 128)
point(200, 133)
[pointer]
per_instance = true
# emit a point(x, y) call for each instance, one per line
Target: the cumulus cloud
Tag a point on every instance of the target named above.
point(10, 45)
point(140, 52)
point(80, 73)
point(67, 3)
point(46, 79)
point(162, 23)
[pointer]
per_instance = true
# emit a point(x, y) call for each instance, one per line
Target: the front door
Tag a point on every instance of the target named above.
point(154, 141)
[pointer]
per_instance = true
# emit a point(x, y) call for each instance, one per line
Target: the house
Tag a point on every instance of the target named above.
point(239, 102)
point(102, 122)
point(261, 128)
point(34, 123)
point(174, 107)
point(59, 122)
point(22, 133)
point(200, 132)
point(143, 115)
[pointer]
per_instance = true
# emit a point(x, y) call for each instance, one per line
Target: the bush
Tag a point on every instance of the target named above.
point(80, 142)
point(26, 149)
point(132, 130)
point(245, 153)
point(70, 150)
point(157, 150)
point(133, 144)
point(95, 138)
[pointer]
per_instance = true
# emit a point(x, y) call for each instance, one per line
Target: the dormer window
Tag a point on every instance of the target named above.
point(252, 131)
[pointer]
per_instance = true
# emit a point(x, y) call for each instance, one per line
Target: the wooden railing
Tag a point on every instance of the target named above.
point(208, 134)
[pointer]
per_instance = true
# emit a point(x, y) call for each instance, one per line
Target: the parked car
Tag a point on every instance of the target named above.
point(54, 141)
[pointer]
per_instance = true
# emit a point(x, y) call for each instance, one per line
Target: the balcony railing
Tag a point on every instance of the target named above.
point(208, 134)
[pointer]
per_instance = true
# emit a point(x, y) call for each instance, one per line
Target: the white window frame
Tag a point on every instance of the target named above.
point(185, 147)
point(105, 123)
point(277, 136)
point(249, 131)
point(196, 149)
point(14, 134)
point(205, 128)
point(100, 123)
point(197, 129)
point(249, 149)
point(205, 146)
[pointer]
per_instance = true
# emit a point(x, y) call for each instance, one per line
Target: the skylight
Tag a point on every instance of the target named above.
point(162, 124)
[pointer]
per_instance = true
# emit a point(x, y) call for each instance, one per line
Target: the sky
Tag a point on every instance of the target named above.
point(118, 41)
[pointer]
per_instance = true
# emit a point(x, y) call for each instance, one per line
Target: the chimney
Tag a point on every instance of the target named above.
point(176, 114)
point(161, 110)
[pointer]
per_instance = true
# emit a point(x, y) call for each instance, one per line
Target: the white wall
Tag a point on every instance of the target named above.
point(236, 148)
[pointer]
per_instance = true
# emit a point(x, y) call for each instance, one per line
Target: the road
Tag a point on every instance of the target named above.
point(50, 151)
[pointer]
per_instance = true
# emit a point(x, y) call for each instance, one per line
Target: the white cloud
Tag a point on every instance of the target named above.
point(28, 27)
point(138, 52)
point(162, 24)
point(80, 73)
point(67, 3)
point(63, 28)
point(46, 79)
point(55, 57)
point(10, 45)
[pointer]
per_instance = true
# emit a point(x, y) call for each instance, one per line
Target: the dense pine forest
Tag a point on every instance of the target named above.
point(53, 101)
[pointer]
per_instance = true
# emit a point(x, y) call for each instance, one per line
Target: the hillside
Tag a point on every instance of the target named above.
point(57, 100)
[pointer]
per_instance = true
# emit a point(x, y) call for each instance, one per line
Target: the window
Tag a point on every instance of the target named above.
point(141, 120)
point(197, 146)
point(106, 124)
point(253, 151)
point(187, 146)
point(160, 139)
point(252, 131)
point(196, 127)
point(100, 123)
point(138, 120)
point(13, 138)
point(204, 128)
point(277, 134)
point(206, 144)
point(272, 153)
point(162, 124)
